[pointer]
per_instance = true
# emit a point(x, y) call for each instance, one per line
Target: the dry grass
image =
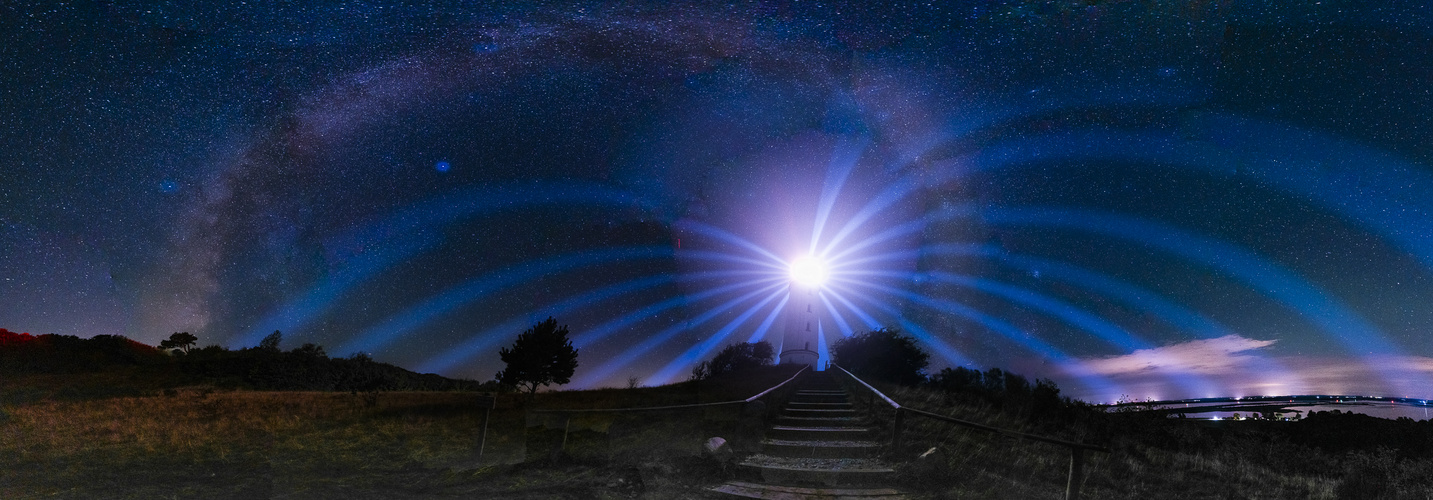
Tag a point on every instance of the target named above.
point(239, 443)
point(203, 443)
point(978, 464)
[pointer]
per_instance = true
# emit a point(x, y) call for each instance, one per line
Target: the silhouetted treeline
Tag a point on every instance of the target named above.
point(307, 367)
point(1010, 393)
point(50, 353)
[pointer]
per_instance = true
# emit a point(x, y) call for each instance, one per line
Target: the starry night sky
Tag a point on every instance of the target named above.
point(1134, 198)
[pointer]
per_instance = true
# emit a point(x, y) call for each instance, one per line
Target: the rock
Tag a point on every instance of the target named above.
point(933, 461)
point(717, 448)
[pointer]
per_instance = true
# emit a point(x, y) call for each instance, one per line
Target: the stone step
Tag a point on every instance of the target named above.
point(834, 433)
point(819, 421)
point(818, 404)
point(820, 449)
point(790, 471)
point(820, 398)
point(818, 412)
point(775, 492)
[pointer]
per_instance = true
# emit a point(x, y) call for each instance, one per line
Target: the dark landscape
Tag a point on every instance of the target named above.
point(83, 418)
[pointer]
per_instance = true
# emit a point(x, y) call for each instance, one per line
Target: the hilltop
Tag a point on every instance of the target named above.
point(69, 367)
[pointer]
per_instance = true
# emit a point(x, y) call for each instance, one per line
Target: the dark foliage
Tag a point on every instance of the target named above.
point(50, 353)
point(179, 340)
point(1008, 391)
point(271, 341)
point(883, 354)
point(305, 368)
point(735, 358)
point(542, 355)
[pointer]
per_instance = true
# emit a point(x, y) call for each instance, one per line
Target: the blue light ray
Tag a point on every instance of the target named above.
point(319, 299)
point(1337, 320)
point(722, 235)
point(1060, 98)
point(483, 341)
point(1064, 311)
point(855, 309)
point(905, 229)
point(760, 332)
point(735, 259)
point(1141, 299)
point(408, 232)
point(700, 351)
point(935, 343)
point(838, 169)
point(823, 353)
point(651, 342)
point(1383, 193)
point(1137, 297)
point(1268, 277)
point(459, 296)
point(604, 330)
point(893, 193)
point(998, 326)
point(844, 327)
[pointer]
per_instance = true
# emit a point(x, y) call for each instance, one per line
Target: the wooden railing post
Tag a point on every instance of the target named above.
point(896, 431)
point(1077, 466)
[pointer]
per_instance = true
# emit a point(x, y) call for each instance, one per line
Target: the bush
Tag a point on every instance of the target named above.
point(735, 358)
point(883, 354)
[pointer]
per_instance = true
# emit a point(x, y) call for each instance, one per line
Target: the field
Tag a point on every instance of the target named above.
point(203, 442)
point(200, 442)
point(1152, 457)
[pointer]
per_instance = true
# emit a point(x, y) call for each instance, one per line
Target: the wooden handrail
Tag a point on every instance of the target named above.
point(868, 387)
point(672, 407)
point(1077, 455)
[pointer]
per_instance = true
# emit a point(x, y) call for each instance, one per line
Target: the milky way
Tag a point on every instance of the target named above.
point(1134, 199)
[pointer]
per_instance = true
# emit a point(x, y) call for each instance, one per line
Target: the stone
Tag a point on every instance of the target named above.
point(932, 462)
point(717, 448)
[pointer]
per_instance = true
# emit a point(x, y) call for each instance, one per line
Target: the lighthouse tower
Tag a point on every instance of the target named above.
point(799, 342)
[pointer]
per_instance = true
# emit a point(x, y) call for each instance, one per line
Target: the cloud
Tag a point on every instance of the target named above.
point(1204, 357)
point(1232, 366)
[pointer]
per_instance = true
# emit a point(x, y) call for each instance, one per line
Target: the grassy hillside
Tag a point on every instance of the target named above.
point(202, 442)
point(1324, 456)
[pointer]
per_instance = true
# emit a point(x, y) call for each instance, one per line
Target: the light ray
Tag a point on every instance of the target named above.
point(701, 350)
point(464, 294)
point(838, 169)
point(652, 341)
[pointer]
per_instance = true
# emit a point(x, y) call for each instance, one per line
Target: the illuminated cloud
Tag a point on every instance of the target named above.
point(1233, 364)
point(1208, 357)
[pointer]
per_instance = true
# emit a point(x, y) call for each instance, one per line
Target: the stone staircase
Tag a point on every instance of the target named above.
point(817, 448)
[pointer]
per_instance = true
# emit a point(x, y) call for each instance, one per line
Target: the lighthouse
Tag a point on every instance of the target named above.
point(799, 340)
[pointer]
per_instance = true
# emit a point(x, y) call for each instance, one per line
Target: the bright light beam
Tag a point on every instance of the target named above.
point(809, 272)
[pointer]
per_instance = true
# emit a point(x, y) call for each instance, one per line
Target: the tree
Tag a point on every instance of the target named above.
point(271, 341)
point(542, 355)
point(735, 357)
point(179, 340)
point(883, 354)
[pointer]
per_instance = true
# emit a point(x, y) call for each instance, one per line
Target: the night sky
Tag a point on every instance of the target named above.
point(1152, 199)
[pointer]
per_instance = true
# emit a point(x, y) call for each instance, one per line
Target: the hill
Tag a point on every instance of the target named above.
point(69, 367)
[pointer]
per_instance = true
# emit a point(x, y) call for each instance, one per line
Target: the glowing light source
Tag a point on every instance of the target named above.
point(809, 271)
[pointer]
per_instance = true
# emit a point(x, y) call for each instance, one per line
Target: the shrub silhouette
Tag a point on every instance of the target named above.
point(542, 355)
point(735, 357)
point(179, 340)
point(883, 354)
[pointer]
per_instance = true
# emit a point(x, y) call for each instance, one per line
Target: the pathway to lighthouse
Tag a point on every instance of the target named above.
point(819, 447)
